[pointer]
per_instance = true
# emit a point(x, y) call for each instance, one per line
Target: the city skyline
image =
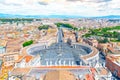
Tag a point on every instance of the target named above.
point(59, 40)
point(88, 8)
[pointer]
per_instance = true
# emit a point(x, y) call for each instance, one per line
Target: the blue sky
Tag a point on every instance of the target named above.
point(61, 7)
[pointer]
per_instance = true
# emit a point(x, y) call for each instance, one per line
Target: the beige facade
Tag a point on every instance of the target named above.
point(92, 42)
point(10, 58)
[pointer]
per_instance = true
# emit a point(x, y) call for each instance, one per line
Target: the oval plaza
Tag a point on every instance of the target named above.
point(64, 53)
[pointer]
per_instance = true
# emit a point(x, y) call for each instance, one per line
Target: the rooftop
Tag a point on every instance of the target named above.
point(59, 75)
point(3, 43)
point(102, 71)
point(76, 70)
point(114, 50)
point(20, 71)
point(115, 59)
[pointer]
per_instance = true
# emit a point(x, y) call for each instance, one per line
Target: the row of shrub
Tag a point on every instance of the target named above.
point(66, 25)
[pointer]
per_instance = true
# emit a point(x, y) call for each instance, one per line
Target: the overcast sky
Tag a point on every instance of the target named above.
point(61, 7)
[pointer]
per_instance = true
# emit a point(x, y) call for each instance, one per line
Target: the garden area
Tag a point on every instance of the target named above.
point(108, 32)
point(66, 25)
point(43, 27)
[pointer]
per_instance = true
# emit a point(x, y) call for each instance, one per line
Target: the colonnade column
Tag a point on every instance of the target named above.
point(80, 62)
point(50, 63)
point(72, 62)
point(59, 62)
point(47, 63)
point(64, 62)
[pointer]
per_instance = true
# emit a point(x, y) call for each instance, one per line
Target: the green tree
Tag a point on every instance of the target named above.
point(43, 27)
point(66, 25)
point(119, 38)
point(105, 40)
point(27, 43)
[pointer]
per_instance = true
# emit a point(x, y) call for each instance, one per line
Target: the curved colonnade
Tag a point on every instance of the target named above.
point(90, 59)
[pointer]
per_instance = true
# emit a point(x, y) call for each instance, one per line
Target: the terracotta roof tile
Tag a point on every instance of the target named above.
point(28, 58)
point(59, 75)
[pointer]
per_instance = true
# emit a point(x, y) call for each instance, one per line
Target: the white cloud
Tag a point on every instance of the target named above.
point(60, 7)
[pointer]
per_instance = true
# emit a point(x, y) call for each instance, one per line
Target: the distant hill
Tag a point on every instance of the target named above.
point(16, 16)
point(53, 16)
point(37, 16)
point(110, 17)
